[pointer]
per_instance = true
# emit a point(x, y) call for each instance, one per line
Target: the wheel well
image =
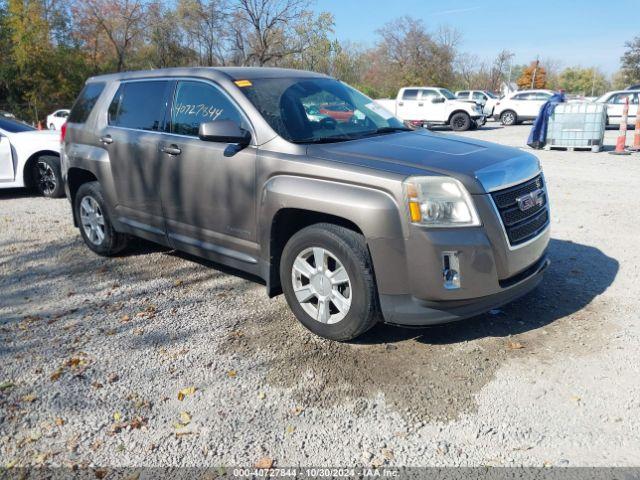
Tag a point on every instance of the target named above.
point(457, 111)
point(28, 166)
point(285, 224)
point(75, 178)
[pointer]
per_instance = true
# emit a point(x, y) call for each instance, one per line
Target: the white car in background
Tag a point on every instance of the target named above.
point(485, 99)
point(615, 102)
point(57, 119)
point(30, 158)
point(427, 106)
point(521, 106)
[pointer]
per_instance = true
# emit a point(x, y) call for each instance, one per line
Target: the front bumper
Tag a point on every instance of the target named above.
point(407, 310)
point(410, 271)
point(480, 120)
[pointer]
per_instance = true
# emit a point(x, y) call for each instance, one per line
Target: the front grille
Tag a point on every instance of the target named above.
point(522, 225)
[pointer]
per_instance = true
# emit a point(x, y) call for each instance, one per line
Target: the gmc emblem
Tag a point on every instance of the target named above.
point(530, 200)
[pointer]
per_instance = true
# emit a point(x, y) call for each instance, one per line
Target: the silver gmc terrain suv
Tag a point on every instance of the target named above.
point(307, 184)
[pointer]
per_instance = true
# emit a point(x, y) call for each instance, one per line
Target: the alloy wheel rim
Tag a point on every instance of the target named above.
point(46, 178)
point(508, 118)
point(92, 220)
point(460, 122)
point(321, 285)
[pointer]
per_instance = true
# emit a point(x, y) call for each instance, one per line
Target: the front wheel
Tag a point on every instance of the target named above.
point(95, 224)
point(328, 281)
point(460, 122)
point(508, 118)
point(47, 176)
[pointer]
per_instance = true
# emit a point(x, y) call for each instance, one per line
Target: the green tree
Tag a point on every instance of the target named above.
point(583, 81)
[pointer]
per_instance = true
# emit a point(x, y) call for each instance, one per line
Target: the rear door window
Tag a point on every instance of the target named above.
point(479, 96)
point(140, 105)
point(463, 95)
point(85, 102)
point(410, 94)
point(198, 102)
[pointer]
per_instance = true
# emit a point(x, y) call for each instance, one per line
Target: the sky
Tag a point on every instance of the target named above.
point(590, 33)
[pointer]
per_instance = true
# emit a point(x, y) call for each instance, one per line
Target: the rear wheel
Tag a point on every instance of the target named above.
point(328, 281)
point(508, 117)
point(47, 176)
point(95, 224)
point(460, 122)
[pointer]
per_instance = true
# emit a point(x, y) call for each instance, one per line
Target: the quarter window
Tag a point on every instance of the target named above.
point(85, 102)
point(140, 105)
point(197, 102)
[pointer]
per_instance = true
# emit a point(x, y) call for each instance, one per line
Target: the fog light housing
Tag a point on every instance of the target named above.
point(450, 270)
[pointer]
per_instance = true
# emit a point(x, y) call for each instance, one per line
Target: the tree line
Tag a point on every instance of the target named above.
point(49, 47)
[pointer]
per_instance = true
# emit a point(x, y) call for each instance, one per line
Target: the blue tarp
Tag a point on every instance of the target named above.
point(538, 136)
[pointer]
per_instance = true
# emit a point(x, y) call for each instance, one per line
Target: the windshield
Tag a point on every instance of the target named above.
point(318, 110)
point(14, 126)
point(447, 94)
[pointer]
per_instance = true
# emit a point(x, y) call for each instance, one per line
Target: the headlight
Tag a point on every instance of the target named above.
point(440, 202)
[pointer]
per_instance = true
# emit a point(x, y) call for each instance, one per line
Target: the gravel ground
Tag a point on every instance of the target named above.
point(94, 353)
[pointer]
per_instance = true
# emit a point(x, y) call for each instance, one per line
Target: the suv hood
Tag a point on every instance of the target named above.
point(481, 166)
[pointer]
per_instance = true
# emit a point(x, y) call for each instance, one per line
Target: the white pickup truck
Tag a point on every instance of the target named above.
point(426, 106)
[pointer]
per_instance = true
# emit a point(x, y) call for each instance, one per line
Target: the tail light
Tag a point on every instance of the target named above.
point(63, 132)
point(497, 103)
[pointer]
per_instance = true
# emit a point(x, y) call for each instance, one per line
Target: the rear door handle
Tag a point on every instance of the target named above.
point(171, 150)
point(106, 140)
point(421, 104)
point(400, 103)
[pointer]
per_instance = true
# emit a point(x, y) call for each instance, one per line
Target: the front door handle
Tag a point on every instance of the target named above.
point(400, 104)
point(171, 150)
point(106, 140)
point(421, 104)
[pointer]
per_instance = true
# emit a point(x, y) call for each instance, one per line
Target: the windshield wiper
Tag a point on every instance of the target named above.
point(383, 130)
point(337, 138)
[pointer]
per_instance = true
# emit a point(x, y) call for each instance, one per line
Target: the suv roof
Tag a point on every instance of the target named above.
point(232, 73)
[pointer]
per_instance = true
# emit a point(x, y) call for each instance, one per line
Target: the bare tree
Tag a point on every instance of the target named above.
point(268, 29)
point(205, 25)
point(500, 69)
point(121, 21)
point(412, 54)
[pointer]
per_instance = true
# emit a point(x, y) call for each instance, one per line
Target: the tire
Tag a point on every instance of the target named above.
point(460, 122)
point(109, 242)
point(508, 118)
point(47, 176)
point(341, 247)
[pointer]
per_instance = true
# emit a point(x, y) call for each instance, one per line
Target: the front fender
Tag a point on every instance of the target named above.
point(374, 212)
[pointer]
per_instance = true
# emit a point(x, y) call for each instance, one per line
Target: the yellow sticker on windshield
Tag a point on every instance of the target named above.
point(243, 83)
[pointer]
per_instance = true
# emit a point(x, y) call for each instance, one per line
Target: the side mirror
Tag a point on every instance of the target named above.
point(438, 100)
point(224, 131)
